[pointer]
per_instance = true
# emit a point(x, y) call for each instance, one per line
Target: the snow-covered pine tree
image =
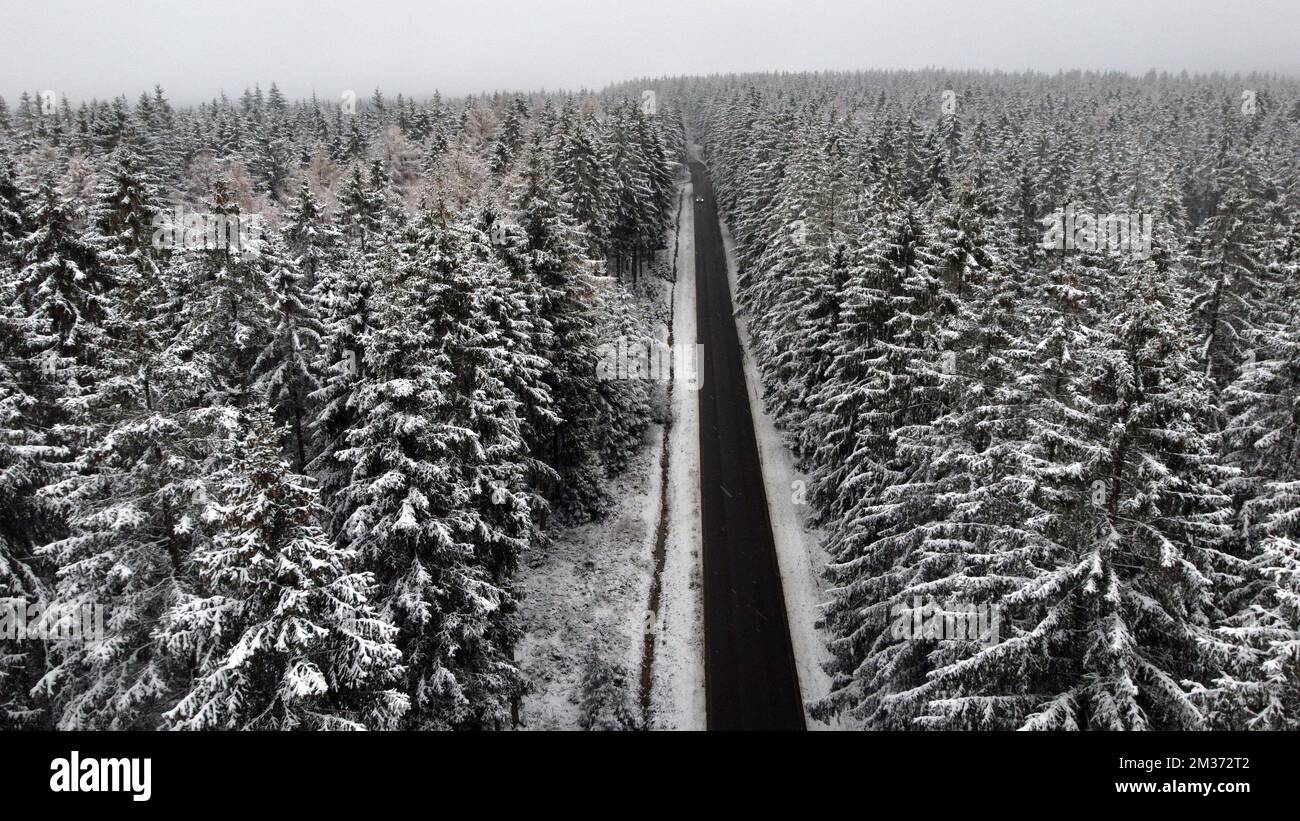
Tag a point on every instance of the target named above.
point(621, 405)
point(61, 311)
point(312, 240)
point(1128, 479)
point(126, 203)
point(414, 510)
point(26, 463)
point(132, 501)
point(345, 295)
point(361, 210)
point(512, 299)
point(509, 138)
point(285, 369)
point(1230, 284)
point(13, 211)
point(116, 500)
point(584, 176)
point(635, 207)
point(281, 625)
point(556, 257)
point(61, 288)
point(486, 360)
point(793, 288)
point(950, 530)
point(220, 291)
point(270, 155)
point(866, 392)
point(27, 458)
point(1259, 689)
point(1259, 644)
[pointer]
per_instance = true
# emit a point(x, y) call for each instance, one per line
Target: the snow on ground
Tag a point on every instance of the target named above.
point(678, 692)
point(587, 594)
point(798, 546)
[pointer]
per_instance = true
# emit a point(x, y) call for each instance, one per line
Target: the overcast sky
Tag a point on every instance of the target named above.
point(196, 49)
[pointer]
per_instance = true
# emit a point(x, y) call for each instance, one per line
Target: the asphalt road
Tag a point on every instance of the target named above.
point(751, 683)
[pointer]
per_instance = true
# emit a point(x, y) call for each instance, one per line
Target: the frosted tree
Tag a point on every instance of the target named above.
point(281, 626)
point(13, 210)
point(584, 176)
point(513, 299)
point(606, 704)
point(62, 286)
point(866, 394)
point(312, 240)
point(952, 529)
point(285, 368)
point(346, 298)
point(361, 209)
point(1132, 476)
point(123, 215)
point(557, 259)
point(26, 463)
point(221, 293)
point(1258, 689)
point(469, 301)
point(640, 198)
point(271, 154)
point(123, 497)
point(1228, 246)
point(509, 137)
point(414, 514)
point(132, 500)
point(623, 405)
point(1262, 434)
point(793, 291)
point(62, 310)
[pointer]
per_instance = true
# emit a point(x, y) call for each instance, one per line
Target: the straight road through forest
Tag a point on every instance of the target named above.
point(750, 678)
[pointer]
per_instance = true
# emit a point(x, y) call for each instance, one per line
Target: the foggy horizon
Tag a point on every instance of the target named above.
point(504, 46)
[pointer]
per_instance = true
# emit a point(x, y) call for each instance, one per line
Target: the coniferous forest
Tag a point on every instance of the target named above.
point(286, 390)
point(289, 388)
point(1101, 437)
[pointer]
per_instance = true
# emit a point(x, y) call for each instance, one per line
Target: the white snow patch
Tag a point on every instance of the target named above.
point(588, 591)
point(591, 588)
point(678, 697)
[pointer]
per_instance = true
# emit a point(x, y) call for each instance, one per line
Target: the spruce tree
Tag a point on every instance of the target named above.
point(285, 368)
point(280, 625)
point(415, 511)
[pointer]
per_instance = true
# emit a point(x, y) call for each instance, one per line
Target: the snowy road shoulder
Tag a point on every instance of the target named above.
point(678, 694)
